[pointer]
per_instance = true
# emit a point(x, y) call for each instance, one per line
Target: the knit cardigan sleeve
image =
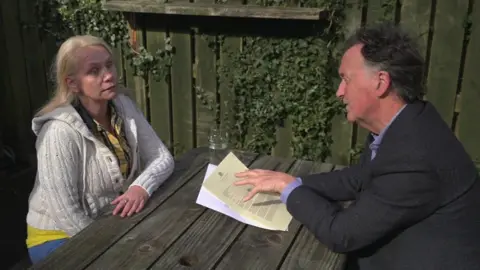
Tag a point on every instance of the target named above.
point(157, 159)
point(59, 173)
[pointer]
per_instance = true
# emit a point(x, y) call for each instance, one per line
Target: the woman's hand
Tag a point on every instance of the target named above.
point(131, 201)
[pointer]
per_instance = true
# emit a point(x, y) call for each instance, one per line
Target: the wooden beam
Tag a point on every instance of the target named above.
point(225, 10)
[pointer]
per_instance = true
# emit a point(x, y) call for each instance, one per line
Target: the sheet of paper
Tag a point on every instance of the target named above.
point(264, 209)
point(205, 198)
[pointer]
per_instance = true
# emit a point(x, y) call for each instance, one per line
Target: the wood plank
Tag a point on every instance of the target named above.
point(284, 131)
point(205, 80)
point(148, 240)
point(377, 13)
point(342, 130)
point(5, 90)
point(49, 47)
point(19, 108)
point(34, 57)
point(141, 89)
point(118, 58)
point(416, 20)
point(160, 94)
point(230, 10)
point(269, 246)
point(230, 46)
point(309, 253)
point(136, 83)
point(445, 57)
point(284, 135)
point(183, 101)
point(82, 249)
point(467, 124)
point(217, 232)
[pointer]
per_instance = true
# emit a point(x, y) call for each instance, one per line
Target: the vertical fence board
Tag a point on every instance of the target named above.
point(141, 91)
point(231, 44)
point(183, 102)
point(206, 79)
point(5, 93)
point(129, 70)
point(134, 82)
point(35, 70)
point(160, 109)
point(375, 11)
point(467, 125)
point(284, 133)
point(284, 136)
point(445, 56)
point(117, 56)
point(416, 20)
point(19, 109)
point(342, 130)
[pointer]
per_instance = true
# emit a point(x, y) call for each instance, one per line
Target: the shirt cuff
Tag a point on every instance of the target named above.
point(288, 189)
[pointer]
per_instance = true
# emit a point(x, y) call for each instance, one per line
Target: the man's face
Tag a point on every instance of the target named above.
point(358, 86)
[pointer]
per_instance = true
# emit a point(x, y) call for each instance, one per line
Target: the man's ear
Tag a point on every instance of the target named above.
point(384, 83)
point(71, 84)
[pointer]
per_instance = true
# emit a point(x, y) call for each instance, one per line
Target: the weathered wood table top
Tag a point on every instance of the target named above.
point(173, 232)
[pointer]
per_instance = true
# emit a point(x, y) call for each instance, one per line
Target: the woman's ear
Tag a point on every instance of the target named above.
point(71, 84)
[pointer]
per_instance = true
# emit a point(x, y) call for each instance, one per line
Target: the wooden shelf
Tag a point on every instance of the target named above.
point(221, 10)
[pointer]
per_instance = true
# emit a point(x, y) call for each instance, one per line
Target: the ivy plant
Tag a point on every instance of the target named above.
point(64, 18)
point(272, 79)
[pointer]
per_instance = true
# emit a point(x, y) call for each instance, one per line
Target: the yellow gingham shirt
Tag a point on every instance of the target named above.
point(116, 141)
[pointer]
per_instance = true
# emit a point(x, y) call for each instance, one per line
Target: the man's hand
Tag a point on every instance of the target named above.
point(131, 201)
point(263, 181)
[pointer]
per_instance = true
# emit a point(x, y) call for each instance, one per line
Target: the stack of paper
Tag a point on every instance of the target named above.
point(220, 194)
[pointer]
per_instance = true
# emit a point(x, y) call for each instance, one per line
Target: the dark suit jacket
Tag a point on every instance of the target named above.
point(416, 205)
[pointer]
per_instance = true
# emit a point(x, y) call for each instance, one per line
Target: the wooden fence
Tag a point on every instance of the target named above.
point(449, 33)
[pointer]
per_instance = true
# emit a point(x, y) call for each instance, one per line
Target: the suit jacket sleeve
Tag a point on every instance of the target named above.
point(341, 185)
point(392, 201)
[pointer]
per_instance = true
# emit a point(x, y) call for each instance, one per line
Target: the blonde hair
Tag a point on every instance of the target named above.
point(64, 65)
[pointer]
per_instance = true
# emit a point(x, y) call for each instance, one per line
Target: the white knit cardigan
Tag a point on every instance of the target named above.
point(78, 175)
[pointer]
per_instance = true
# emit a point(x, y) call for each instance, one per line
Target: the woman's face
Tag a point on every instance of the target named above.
point(96, 76)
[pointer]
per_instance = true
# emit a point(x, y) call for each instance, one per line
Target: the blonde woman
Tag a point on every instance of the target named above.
point(94, 148)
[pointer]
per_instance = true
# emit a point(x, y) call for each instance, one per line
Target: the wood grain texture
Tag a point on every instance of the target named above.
point(230, 46)
point(468, 129)
point(183, 98)
point(159, 89)
point(309, 253)
point(445, 56)
point(20, 135)
point(203, 253)
point(205, 79)
point(416, 20)
point(154, 235)
point(80, 251)
point(201, 9)
point(34, 57)
point(257, 248)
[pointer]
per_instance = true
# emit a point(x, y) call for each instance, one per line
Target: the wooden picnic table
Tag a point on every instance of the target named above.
point(173, 232)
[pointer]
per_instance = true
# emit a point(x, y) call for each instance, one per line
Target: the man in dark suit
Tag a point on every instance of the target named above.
point(415, 190)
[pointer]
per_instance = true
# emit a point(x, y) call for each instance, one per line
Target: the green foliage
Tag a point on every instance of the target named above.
point(273, 79)
point(280, 79)
point(64, 18)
